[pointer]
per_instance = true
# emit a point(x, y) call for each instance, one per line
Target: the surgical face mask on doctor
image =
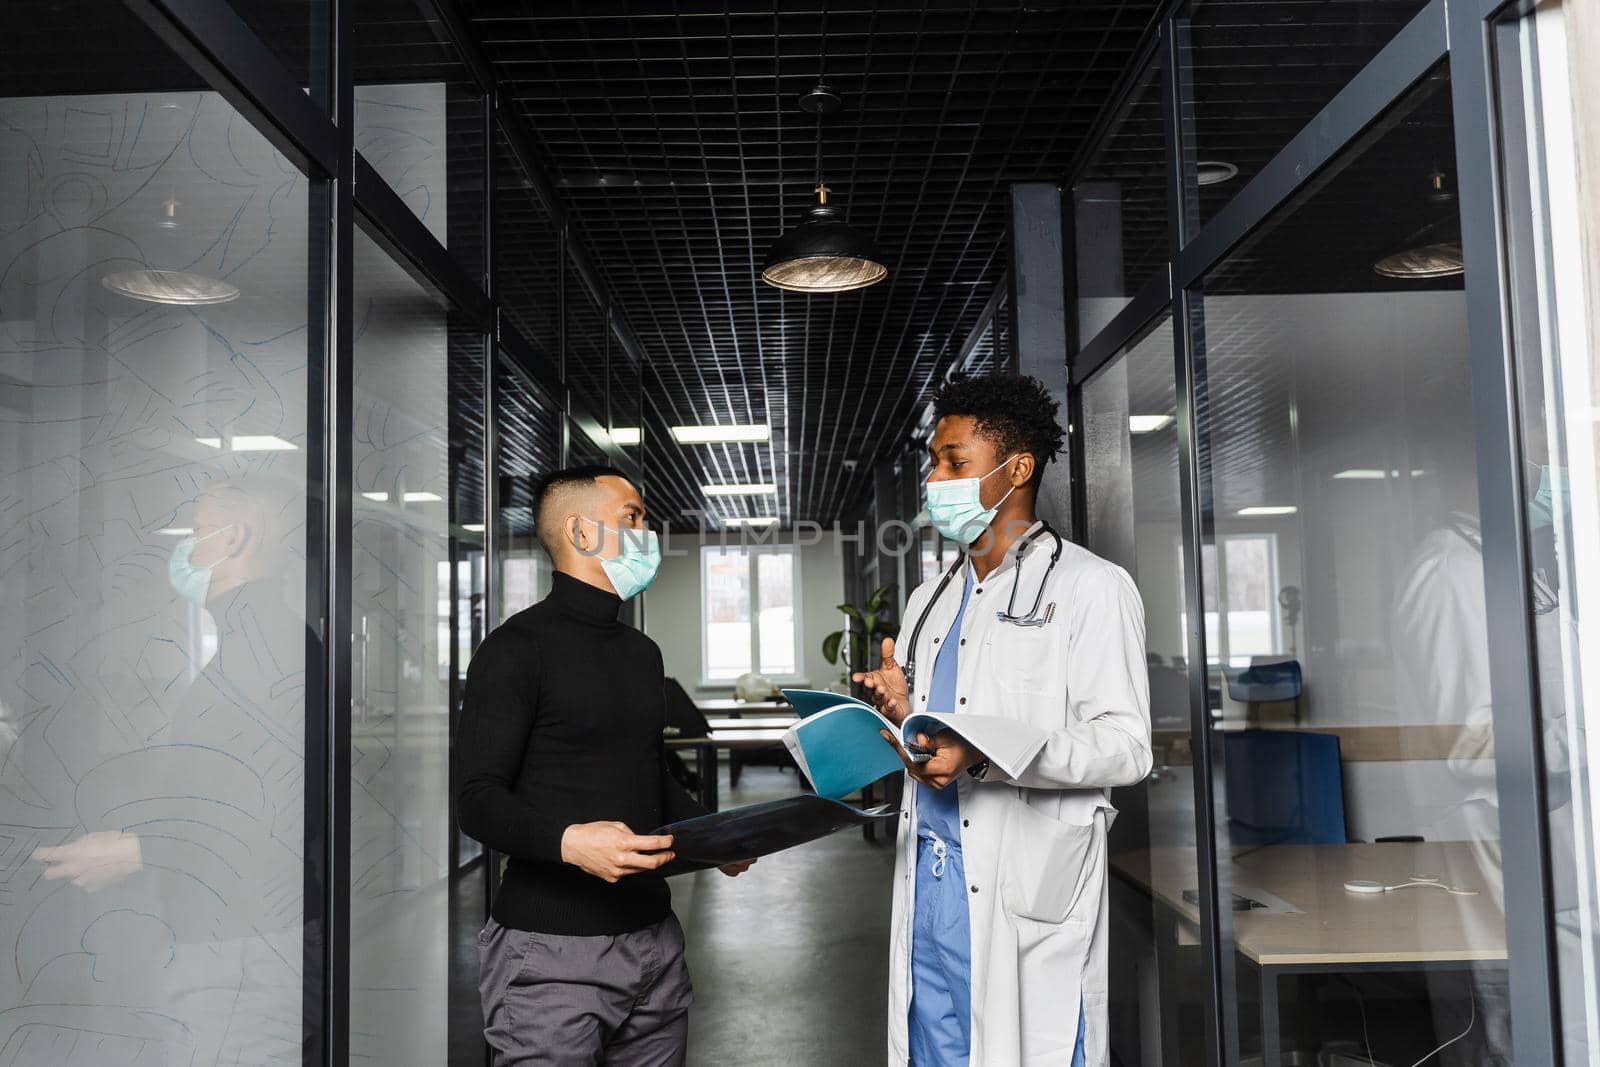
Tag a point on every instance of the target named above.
point(188, 580)
point(955, 506)
point(635, 566)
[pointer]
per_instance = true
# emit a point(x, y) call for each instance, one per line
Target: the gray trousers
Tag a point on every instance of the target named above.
point(551, 999)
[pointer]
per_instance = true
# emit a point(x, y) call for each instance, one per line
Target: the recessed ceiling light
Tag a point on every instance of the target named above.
point(713, 435)
point(1214, 172)
point(260, 443)
point(171, 287)
point(379, 497)
point(420, 497)
point(741, 489)
point(1148, 423)
point(627, 435)
point(751, 520)
point(1269, 509)
point(177, 531)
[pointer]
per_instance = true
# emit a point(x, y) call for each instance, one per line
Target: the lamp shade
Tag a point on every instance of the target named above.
point(823, 254)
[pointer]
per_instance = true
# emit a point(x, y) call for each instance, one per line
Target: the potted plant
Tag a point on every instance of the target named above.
point(864, 630)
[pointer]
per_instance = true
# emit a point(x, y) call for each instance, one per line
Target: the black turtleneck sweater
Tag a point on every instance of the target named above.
point(561, 723)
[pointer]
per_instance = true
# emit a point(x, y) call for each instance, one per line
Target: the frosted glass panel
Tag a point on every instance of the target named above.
point(153, 457)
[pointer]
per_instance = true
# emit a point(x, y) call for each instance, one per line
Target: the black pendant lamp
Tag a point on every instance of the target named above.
point(1435, 250)
point(823, 254)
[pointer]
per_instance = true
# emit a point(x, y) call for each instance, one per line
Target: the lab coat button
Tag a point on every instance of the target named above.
point(974, 889)
point(963, 700)
point(966, 822)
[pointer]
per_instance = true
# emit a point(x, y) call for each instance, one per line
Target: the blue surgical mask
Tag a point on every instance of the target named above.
point(633, 569)
point(189, 581)
point(955, 507)
point(1542, 508)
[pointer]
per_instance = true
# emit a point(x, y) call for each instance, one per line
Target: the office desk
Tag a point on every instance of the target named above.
point(706, 749)
point(1336, 931)
point(755, 722)
point(729, 706)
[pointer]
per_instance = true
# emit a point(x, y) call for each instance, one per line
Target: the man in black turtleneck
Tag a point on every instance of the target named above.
point(561, 768)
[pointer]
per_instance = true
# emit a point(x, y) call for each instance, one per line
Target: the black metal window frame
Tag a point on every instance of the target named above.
point(1460, 31)
point(313, 126)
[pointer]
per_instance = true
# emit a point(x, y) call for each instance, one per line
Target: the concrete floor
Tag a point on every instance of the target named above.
point(789, 960)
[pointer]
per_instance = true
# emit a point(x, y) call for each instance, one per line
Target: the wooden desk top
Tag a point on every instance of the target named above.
point(723, 705)
point(1336, 926)
point(731, 739)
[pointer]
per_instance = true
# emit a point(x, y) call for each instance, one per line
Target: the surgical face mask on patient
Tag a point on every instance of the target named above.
point(955, 506)
point(189, 581)
point(633, 569)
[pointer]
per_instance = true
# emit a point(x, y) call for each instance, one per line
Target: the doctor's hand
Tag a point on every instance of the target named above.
point(886, 686)
point(951, 757)
point(610, 851)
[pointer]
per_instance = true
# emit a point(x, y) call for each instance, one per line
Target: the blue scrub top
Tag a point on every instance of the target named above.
point(941, 937)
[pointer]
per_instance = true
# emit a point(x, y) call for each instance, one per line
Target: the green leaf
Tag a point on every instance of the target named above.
point(830, 646)
point(879, 595)
point(853, 611)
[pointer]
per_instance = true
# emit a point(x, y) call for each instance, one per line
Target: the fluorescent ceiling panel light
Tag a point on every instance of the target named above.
point(177, 531)
point(751, 520)
point(210, 442)
point(379, 497)
point(420, 497)
point(261, 443)
point(627, 435)
point(1148, 423)
point(716, 435)
point(1269, 509)
point(472, 527)
point(749, 489)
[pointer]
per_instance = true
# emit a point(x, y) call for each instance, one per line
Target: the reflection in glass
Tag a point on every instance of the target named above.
point(1258, 71)
point(527, 447)
point(407, 364)
point(1350, 690)
point(1558, 370)
point(527, 252)
point(1131, 460)
point(152, 694)
point(1120, 211)
point(419, 122)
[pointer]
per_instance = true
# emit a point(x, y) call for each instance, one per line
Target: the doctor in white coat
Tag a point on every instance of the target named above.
point(998, 945)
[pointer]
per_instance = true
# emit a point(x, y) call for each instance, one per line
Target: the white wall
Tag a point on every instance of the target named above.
point(672, 607)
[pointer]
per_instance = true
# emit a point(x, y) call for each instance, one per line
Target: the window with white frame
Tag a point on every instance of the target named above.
point(749, 611)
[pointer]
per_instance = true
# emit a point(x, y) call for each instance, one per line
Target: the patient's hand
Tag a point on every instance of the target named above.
point(886, 686)
point(94, 860)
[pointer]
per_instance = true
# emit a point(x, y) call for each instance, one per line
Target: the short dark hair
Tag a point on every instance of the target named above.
point(555, 485)
point(1014, 411)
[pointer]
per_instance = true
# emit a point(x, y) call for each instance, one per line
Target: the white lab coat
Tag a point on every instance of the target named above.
point(1063, 713)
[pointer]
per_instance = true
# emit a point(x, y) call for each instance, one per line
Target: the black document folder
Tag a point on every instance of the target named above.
point(761, 829)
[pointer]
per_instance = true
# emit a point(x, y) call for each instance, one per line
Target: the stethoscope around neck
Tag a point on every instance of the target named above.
point(1031, 619)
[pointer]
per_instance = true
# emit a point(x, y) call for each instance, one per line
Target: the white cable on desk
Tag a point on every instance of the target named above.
point(1361, 885)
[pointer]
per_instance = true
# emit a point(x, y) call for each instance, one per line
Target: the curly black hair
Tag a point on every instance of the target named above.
point(1014, 411)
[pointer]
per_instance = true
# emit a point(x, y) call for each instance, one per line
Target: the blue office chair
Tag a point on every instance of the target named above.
point(1283, 787)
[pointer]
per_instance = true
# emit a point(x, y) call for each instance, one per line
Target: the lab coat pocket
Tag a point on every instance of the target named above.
point(1020, 657)
point(1046, 865)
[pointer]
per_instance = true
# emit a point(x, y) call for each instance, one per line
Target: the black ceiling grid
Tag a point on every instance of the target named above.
point(673, 135)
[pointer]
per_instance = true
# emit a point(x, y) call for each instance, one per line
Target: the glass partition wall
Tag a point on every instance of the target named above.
point(1355, 514)
point(265, 432)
